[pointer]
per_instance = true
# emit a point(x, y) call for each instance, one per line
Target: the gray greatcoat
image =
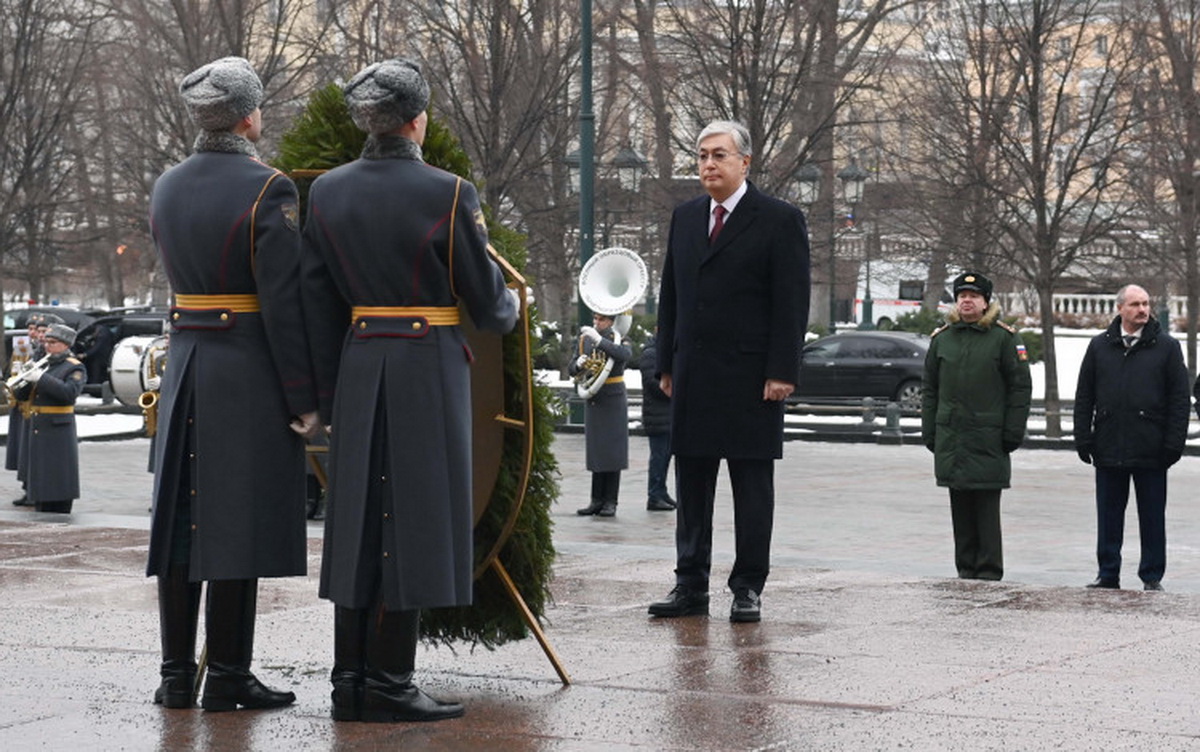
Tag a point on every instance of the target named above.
point(606, 414)
point(377, 234)
point(51, 452)
point(225, 224)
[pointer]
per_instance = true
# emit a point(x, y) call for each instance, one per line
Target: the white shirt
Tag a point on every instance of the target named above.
point(1135, 334)
point(730, 204)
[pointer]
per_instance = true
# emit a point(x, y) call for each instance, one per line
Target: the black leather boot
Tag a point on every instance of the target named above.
point(390, 695)
point(229, 625)
point(593, 508)
point(178, 609)
point(349, 648)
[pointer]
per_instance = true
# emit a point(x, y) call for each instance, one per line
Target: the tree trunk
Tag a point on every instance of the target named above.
point(1052, 401)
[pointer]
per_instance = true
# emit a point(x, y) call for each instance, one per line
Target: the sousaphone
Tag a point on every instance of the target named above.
point(609, 284)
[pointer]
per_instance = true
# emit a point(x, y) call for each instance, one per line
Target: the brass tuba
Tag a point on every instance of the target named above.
point(609, 284)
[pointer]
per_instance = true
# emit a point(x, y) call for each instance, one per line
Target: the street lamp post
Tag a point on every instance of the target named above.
point(587, 149)
point(629, 166)
point(808, 181)
point(853, 177)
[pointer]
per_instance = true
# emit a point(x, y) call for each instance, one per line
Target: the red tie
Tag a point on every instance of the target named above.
point(718, 223)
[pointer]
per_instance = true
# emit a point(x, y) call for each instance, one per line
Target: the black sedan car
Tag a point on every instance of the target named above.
point(846, 367)
point(96, 341)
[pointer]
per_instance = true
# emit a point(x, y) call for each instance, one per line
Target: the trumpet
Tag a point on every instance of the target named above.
point(28, 374)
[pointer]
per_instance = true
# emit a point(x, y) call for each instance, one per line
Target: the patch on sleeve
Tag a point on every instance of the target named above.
point(1021, 354)
point(291, 216)
point(480, 222)
point(77, 375)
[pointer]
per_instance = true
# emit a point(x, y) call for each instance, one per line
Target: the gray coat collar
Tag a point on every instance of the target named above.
point(391, 146)
point(224, 141)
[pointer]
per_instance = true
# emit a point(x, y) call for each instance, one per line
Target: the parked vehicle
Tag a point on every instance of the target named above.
point(897, 287)
point(97, 341)
point(844, 368)
point(16, 323)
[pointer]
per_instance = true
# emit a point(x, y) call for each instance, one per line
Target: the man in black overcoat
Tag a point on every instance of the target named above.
point(238, 395)
point(733, 310)
point(1131, 422)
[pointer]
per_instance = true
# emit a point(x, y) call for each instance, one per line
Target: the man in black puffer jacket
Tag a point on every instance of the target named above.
point(1131, 418)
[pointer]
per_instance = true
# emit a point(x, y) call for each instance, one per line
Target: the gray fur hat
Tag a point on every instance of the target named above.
point(221, 93)
point(384, 96)
point(62, 333)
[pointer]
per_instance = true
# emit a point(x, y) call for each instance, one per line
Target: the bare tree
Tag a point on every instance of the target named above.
point(1032, 123)
point(137, 126)
point(1167, 142)
point(503, 73)
point(44, 49)
point(789, 70)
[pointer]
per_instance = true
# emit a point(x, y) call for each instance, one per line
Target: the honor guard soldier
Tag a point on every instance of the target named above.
point(392, 246)
point(51, 451)
point(228, 505)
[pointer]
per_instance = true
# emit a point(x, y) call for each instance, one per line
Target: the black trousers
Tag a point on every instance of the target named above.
point(753, 483)
point(606, 486)
point(978, 550)
point(1112, 497)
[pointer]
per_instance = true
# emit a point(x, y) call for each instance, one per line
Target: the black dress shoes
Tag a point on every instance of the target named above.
point(1103, 583)
point(22, 502)
point(681, 601)
point(747, 607)
point(660, 505)
point(608, 509)
point(1154, 585)
point(590, 509)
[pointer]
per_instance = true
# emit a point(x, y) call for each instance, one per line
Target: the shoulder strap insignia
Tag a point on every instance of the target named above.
point(939, 330)
point(75, 361)
point(1006, 326)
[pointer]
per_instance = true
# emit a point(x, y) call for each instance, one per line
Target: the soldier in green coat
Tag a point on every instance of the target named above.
point(975, 404)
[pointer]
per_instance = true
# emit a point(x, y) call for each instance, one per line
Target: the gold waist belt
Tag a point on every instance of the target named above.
point(435, 315)
point(51, 409)
point(614, 380)
point(238, 302)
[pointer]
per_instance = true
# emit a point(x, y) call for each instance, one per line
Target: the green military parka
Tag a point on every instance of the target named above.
point(975, 400)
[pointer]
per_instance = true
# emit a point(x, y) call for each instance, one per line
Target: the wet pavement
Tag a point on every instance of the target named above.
point(867, 641)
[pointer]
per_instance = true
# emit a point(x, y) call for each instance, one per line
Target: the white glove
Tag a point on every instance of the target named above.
point(306, 425)
point(580, 361)
point(516, 297)
point(154, 383)
point(590, 333)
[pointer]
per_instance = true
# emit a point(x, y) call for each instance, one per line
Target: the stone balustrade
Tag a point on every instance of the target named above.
point(1079, 305)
